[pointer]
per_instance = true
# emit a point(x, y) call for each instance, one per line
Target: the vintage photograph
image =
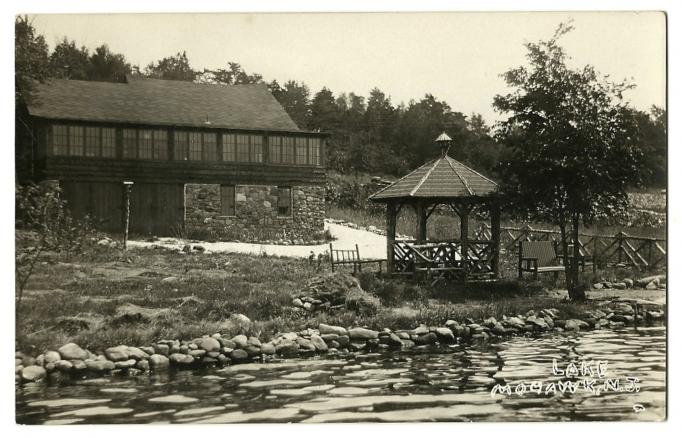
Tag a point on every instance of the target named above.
point(340, 217)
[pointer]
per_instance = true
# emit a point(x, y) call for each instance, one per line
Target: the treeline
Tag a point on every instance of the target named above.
point(367, 134)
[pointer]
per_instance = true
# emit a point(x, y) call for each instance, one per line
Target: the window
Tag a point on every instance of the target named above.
point(284, 201)
point(109, 142)
point(301, 150)
point(145, 142)
point(76, 140)
point(314, 151)
point(275, 149)
point(181, 145)
point(160, 148)
point(227, 203)
point(229, 147)
point(257, 148)
point(92, 143)
point(60, 140)
point(195, 146)
point(210, 147)
point(130, 143)
point(243, 154)
point(288, 150)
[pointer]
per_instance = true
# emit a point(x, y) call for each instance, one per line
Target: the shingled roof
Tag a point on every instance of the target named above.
point(441, 178)
point(162, 102)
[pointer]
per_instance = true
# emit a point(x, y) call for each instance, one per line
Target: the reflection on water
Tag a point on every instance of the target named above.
point(450, 385)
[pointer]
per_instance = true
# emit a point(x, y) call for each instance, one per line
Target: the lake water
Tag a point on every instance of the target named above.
point(452, 384)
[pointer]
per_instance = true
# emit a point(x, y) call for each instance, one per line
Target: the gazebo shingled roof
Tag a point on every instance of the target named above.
point(443, 177)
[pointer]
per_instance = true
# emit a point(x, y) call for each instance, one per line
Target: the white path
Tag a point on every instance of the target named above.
point(371, 245)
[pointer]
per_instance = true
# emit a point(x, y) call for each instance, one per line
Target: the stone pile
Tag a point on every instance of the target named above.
point(653, 282)
point(216, 350)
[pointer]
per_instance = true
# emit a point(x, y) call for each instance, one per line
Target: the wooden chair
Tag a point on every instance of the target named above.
point(340, 257)
point(539, 257)
point(584, 258)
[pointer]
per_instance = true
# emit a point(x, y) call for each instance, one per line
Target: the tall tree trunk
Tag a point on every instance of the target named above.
point(577, 291)
point(564, 251)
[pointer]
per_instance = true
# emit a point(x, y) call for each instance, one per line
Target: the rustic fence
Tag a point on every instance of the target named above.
point(643, 253)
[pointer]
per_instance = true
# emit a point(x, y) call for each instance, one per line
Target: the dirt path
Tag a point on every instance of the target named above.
point(371, 245)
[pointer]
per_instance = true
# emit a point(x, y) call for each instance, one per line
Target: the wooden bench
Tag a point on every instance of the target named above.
point(539, 257)
point(340, 257)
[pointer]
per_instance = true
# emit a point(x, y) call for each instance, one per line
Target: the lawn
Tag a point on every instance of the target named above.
point(80, 299)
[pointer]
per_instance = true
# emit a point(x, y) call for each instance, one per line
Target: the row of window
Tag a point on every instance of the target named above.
point(152, 144)
point(228, 205)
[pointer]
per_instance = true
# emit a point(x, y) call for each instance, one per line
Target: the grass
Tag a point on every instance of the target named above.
point(90, 288)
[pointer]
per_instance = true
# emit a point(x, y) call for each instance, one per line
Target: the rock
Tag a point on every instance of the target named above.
point(72, 351)
point(539, 322)
point(226, 343)
point(620, 286)
point(197, 353)
point(157, 361)
point(576, 325)
point(332, 329)
point(254, 341)
point(307, 306)
point(343, 341)
point(162, 349)
point(142, 365)
point(181, 359)
point(136, 353)
point(629, 283)
point(427, 339)
point(597, 286)
point(516, 322)
point(319, 343)
point(305, 344)
point(133, 314)
point(51, 356)
point(445, 335)
point(489, 322)
point(239, 354)
point(624, 308)
point(421, 330)
point(209, 344)
point(100, 365)
point(297, 302)
point(450, 323)
point(240, 341)
point(651, 286)
point(406, 344)
point(607, 284)
point(117, 354)
point(79, 365)
point(287, 348)
point(653, 278)
point(125, 364)
point(362, 333)
point(63, 365)
point(33, 373)
point(268, 348)
point(499, 329)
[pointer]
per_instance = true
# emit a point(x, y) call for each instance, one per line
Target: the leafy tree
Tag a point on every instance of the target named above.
point(572, 140)
point(107, 66)
point(31, 58)
point(295, 99)
point(68, 61)
point(176, 68)
point(653, 142)
point(233, 75)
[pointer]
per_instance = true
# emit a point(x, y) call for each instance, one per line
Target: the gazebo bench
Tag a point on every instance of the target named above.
point(539, 257)
point(339, 257)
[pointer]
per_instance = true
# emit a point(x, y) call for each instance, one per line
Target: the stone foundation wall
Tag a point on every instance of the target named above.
point(256, 216)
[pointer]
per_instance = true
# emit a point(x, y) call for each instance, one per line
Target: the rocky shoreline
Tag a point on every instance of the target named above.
point(72, 361)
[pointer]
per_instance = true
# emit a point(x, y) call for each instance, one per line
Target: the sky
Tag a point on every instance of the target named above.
point(456, 56)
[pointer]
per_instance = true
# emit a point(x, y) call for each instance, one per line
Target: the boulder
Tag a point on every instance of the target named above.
point(629, 283)
point(499, 329)
point(267, 348)
point(51, 356)
point(137, 353)
point(362, 333)
point(142, 365)
point(161, 349)
point(305, 344)
point(209, 344)
point(33, 373)
point(297, 302)
point(597, 286)
point(538, 322)
point(516, 322)
point(100, 365)
point(72, 351)
point(239, 354)
point(125, 364)
point(63, 365)
point(181, 359)
point(240, 341)
point(287, 348)
point(117, 354)
point(319, 343)
point(332, 329)
point(427, 339)
point(157, 361)
point(642, 282)
point(489, 322)
point(445, 335)
point(620, 285)
point(651, 286)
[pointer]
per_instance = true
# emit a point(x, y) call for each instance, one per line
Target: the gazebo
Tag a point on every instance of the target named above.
point(443, 182)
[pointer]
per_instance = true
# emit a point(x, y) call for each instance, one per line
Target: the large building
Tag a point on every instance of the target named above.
point(224, 160)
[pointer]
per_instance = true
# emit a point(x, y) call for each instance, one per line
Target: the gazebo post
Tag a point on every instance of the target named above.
point(421, 221)
point(495, 237)
point(464, 230)
point(391, 213)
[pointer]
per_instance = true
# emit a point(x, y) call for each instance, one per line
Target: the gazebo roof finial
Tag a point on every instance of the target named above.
point(444, 141)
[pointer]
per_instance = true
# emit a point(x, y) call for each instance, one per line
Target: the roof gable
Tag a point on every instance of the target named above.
point(162, 102)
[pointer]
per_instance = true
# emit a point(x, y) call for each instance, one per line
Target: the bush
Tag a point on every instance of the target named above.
point(362, 302)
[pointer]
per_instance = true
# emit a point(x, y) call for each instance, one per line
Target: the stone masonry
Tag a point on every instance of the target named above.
point(256, 218)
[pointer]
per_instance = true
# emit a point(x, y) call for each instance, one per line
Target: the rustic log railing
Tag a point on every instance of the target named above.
point(643, 253)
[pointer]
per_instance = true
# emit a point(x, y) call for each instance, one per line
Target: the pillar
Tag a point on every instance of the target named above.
point(464, 230)
point(495, 237)
point(391, 213)
point(420, 208)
